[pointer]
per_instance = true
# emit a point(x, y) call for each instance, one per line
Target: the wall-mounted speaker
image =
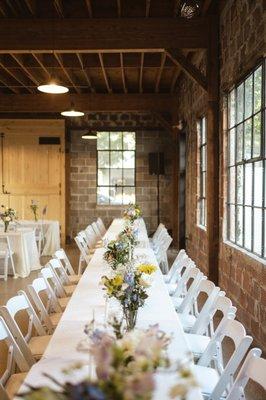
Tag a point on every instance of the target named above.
point(156, 163)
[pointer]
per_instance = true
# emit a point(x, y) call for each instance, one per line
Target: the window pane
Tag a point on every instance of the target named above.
point(103, 195)
point(116, 140)
point(116, 177)
point(248, 96)
point(103, 140)
point(257, 226)
point(129, 141)
point(239, 184)
point(231, 107)
point(128, 195)
point(231, 219)
point(203, 184)
point(203, 158)
point(103, 159)
point(116, 196)
point(232, 149)
point(129, 177)
point(103, 177)
point(258, 183)
point(231, 187)
point(247, 139)
point(203, 131)
point(248, 227)
point(257, 135)
point(248, 184)
point(257, 89)
point(116, 159)
point(239, 225)
point(240, 102)
point(239, 143)
point(129, 159)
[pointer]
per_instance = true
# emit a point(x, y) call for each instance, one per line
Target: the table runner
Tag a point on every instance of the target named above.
point(88, 298)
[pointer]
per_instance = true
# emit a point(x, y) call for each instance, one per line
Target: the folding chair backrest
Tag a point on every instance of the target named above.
point(15, 357)
point(61, 255)
point(91, 237)
point(48, 275)
point(84, 251)
point(59, 271)
point(84, 241)
point(37, 287)
point(236, 332)
point(196, 276)
point(101, 226)
point(254, 367)
point(177, 264)
point(96, 230)
point(181, 286)
point(50, 278)
point(157, 232)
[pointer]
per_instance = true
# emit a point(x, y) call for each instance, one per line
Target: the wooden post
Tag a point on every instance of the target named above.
point(213, 149)
point(175, 164)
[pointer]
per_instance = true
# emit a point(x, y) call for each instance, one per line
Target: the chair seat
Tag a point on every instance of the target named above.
point(197, 343)
point(63, 301)
point(69, 289)
point(55, 318)
point(38, 344)
point(187, 321)
point(206, 377)
point(14, 382)
point(74, 278)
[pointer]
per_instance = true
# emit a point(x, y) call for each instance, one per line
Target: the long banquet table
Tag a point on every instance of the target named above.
point(88, 300)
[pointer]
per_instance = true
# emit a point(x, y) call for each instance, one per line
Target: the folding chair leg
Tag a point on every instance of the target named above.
point(80, 265)
point(12, 266)
point(6, 267)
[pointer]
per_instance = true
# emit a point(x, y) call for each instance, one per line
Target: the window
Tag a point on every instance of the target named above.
point(202, 151)
point(116, 168)
point(246, 218)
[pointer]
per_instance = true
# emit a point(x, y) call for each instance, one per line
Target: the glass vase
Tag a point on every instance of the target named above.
point(6, 225)
point(130, 316)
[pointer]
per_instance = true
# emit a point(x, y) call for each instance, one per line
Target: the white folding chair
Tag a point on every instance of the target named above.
point(156, 234)
point(175, 266)
point(37, 289)
point(62, 256)
point(6, 255)
point(11, 379)
point(62, 276)
point(97, 231)
point(184, 265)
point(84, 252)
point(161, 253)
point(39, 237)
point(31, 346)
point(216, 382)
point(254, 367)
point(57, 294)
point(101, 226)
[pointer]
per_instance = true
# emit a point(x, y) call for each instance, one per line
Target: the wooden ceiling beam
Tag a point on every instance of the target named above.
point(60, 62)
point(17, 58)
point(59, 8)
point(89, 7)
point(159, 75)
point(85, 73)
point(174, 79)
point(179, 59)
point(109, 89)
point(123, 73)
point(14, 76)
point(89, 102)
point(141, 73)
point(30, 6)
point(65, 35)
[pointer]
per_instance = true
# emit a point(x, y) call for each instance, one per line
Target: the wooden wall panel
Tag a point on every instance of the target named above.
point(33, 171)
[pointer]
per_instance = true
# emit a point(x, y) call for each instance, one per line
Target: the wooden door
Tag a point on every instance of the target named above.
point(33, 171)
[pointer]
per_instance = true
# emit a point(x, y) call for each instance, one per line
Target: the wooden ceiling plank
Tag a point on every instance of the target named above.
point(179, 59)
point(89, 7)
point(59, 8)
point(159, 75)
point(123, 73)
point(17, 58)
point(88, 102)
point(141, 73)
point(109, 89)
point(14, 76)
point(41, 65)
point(148, 7)
point(64, 35)
point(88, 79)
point(60, 62)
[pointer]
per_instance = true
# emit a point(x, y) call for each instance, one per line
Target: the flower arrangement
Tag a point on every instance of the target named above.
point(34, 208)
point(132, 213)
point(129, 286)
point(7, 215)
point(128, 235)
point(117, 253)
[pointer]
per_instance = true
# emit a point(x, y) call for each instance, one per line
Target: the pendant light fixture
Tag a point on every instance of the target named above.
point(190, 8)
point(89, 135)
point(72, 112)
point(53, 87)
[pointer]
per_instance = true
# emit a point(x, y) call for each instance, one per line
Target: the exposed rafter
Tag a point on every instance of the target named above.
point(5, 83)
point(174, 79)
point(85, 73)
point(123, 73)
point(179, 59)
point(89, 7)
point(31, 7)
point(158, 80)
point(109, 89)
point(60, 62)
point(59, 8)
point(37, 58)
point(148, 6)
point(17, 58)
point(14, 76)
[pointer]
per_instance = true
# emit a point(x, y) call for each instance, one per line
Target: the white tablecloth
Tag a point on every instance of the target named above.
point(51, 232)
point(23, 244)
point(88, 298)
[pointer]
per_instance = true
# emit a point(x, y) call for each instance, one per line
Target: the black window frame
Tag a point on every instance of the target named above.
point(242, 208)
point(202, 172)
point(109, 150)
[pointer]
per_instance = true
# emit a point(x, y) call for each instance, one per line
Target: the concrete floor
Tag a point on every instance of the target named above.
point(10, 288)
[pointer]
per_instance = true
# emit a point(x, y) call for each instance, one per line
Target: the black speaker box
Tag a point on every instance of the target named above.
point(156, 163)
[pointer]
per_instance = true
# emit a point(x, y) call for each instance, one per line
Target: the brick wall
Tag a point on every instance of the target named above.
point(82, 184)
point(241, 276)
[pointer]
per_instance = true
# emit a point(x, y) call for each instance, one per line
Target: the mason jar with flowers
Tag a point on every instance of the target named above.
point(7, 215)
point(34, 208)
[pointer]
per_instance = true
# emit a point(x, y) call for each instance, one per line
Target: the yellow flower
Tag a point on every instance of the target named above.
point(118, 280)
point(147, 269)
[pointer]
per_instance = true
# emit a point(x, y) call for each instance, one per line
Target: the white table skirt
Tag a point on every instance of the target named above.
point(51, 232)
point(88, 298)
point(23, 244)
